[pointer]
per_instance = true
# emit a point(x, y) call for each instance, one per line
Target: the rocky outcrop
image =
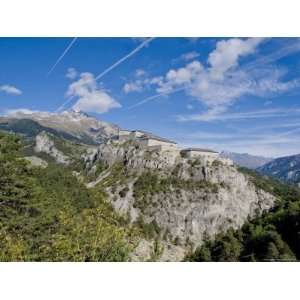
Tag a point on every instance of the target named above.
point(166, 252)
point(187, 199)
point(36, 161)
point(44, 144)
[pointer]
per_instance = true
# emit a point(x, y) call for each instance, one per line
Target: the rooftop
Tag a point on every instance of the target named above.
point(151, 136)
point(199, 149)
point(148, 135)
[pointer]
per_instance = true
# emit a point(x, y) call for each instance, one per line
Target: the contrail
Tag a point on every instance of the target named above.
point(137, 49)
point(62, 56)
point(155, 96)
point(64, 104)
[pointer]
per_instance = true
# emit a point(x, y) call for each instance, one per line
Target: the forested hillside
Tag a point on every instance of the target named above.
point(274, 236)
point(46, 214)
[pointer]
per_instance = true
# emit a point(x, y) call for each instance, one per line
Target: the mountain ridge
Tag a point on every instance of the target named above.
point(245, 159)
point(286, 169)
point(74, 123)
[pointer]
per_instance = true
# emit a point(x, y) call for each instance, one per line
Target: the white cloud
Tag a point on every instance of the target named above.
point(141, 84)
point(140, 72)
point(19, 111)
point(130, 87)
point(151, 98)
point(180, 77)
point(189, 56)
point(212, 115)
point(228, 52)
point(90, 97)
point(71, 73)
point(10, 90)
point(222, 82)
point(265, 143)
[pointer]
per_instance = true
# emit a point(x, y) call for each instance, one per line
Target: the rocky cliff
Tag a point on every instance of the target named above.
point(182, 200)
point(43, 143)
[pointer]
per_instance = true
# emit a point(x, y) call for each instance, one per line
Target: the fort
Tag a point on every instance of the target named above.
point(147, 140)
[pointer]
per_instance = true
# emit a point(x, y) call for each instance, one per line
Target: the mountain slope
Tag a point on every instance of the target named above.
point(30, 128)
point(76, 125)
point(286, 169)
point(47, 214)
point(246, 160)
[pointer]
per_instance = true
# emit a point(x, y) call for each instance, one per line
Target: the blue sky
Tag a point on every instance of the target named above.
point(236, 94)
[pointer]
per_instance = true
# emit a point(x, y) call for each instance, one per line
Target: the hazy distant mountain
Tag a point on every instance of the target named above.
point(245, 159)
point(284, 168)
point(75, 124)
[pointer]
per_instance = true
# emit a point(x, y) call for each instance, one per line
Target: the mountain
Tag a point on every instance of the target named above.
point(286, 169)
point(155, 205)
point(170, 202)
point(246, 160)
point(69, 124)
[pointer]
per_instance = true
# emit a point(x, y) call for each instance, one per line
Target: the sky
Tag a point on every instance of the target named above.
point(234, 94)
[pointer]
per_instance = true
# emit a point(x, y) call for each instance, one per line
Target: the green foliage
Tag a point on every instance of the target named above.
point(150, 183)
point(217, 163)
point(117, 176)
point(270, 185)
point(124, 192)
point(48, 215)
point(273, 236)
point(78, 165)
point(148, 230)
point(157, 251)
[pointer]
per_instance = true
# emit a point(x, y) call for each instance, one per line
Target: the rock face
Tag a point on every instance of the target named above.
point(44, 144)
point(246, 160)
point(186, 199)
point(36, 161)
point(286, 169)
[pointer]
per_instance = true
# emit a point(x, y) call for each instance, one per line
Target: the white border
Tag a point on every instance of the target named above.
point(149, 281)
point(41, 18)
point(149, 18)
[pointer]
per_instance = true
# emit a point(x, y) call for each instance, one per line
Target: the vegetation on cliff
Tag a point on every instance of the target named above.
point(273, 236)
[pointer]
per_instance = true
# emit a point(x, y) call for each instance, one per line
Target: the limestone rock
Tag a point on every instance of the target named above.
point(217, 195)
point(43, 143)
point(36, 161)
